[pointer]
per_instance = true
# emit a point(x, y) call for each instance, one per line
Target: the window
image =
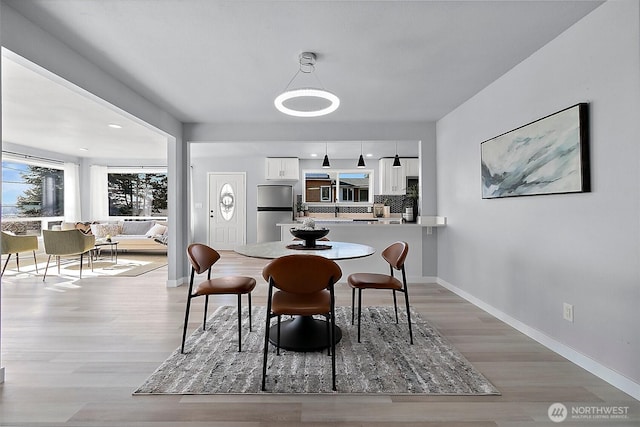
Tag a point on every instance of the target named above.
point(29, 190)
point(325, 194)
point(354, 186)
point(338, 186)
point(347, 195)
point(137, 194)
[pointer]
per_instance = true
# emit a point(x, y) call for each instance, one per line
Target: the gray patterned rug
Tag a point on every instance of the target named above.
point(384, 362)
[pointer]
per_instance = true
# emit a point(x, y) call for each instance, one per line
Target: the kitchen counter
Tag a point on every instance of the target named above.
point(419, 235)
point(423, 221)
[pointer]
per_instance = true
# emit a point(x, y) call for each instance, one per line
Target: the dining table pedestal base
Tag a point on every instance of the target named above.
point(303, 333)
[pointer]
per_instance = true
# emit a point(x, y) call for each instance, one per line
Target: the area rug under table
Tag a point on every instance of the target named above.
point(384, 361)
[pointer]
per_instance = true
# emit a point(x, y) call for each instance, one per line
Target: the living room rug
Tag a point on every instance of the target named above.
point(384, 361)
point(128, 265)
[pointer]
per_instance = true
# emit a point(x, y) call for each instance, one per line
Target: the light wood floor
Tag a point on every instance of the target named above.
point(75, 350)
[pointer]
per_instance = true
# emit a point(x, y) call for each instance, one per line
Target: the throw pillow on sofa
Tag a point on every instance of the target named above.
point(103, 230)
point(85, 227)
point(68, 226)
point(137, 228)
point(156, 230)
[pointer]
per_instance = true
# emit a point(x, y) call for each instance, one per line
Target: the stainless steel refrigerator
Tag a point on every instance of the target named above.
point(275, 205)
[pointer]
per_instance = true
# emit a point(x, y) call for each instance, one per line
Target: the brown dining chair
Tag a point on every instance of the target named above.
point(202, 258)
point(395, 254)
point(304, 287)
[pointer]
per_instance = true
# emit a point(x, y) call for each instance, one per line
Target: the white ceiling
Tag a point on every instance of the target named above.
point(41, 111)
point(225, 61)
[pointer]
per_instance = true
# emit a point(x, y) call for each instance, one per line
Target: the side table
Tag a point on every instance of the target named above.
point(113, 247)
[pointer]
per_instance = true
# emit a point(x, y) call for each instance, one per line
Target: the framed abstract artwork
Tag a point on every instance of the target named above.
point(547, 156)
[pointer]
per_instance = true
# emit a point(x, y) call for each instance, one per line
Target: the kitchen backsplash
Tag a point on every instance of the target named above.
point(395, 202)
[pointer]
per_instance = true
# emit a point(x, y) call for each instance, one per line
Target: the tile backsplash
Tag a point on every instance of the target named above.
point(395, 202)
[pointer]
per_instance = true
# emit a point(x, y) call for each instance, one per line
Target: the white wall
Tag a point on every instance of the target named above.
point(206, 160)
point(24, 38)
point(215, 136)
point(524, 257)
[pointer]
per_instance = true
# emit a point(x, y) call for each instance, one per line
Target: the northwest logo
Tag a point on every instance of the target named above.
point(557, 412)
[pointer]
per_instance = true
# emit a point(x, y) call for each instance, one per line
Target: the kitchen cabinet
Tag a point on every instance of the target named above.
point(282, 168)
point(411, 166)
point(393, 181)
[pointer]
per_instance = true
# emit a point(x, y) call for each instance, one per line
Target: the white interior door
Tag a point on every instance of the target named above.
point(227, 210)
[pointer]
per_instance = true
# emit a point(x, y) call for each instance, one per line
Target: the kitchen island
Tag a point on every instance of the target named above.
point(421, 262)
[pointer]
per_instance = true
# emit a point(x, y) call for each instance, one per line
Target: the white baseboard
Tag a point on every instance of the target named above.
point(609, 375)
point(175, 283)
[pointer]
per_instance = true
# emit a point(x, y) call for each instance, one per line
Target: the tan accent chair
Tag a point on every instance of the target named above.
point(67, 243)
point(395, 254)
point(202, 258)
point(12, 244)
point(304, 287)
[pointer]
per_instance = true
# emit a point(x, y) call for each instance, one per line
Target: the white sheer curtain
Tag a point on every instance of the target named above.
point(72, 211)
point(99, 193)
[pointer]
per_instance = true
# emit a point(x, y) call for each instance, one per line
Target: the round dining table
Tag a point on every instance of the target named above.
point(328, 249)
point(304, 333)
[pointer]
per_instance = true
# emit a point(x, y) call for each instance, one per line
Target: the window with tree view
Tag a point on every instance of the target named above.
point(31, 191)
point(137, 194)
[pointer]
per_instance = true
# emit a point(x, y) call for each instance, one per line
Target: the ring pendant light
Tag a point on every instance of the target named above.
point(307, 66)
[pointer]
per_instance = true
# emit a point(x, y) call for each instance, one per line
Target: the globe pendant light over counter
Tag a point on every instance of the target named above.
point(317, 99)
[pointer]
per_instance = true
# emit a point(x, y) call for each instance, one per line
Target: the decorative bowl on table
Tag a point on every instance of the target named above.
point(309, 235)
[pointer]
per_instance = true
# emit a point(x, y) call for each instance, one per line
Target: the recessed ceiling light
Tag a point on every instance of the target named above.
point(115, 126)
point(313, 155)
point(84, 149)
point(369, 155)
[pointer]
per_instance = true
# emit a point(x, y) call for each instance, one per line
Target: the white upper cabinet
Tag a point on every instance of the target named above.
point(282, 168)
point(393, 181)
point(411, 166)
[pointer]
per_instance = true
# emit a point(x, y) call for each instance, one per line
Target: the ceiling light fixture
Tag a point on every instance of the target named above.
point(115, 126)
point(314, 99)
point(396, 159)
point(361, 159)
point(325, 162)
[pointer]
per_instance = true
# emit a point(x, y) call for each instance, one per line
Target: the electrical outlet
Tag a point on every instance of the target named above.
point(567, 312)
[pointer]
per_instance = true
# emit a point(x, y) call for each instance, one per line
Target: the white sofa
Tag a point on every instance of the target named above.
point(132, 236)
